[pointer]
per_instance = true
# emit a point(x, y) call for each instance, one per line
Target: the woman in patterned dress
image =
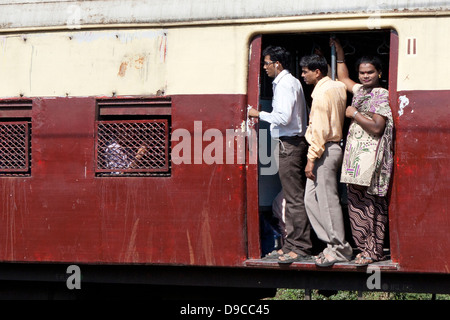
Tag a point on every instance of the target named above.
point(368, 156)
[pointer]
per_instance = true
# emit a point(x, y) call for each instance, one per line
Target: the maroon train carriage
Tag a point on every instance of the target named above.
point(126, 169)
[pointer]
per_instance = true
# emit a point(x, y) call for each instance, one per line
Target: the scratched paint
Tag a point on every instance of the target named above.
point(14, 212)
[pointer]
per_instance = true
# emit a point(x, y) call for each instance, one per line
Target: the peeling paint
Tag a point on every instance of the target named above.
point(119, 61)
point(122, 69)
point(404, 102)
point(136, 61)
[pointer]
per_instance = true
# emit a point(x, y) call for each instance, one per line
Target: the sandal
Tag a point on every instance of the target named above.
point(287, 258)
point(274, 255)
point(324, 261)
point(363, 260)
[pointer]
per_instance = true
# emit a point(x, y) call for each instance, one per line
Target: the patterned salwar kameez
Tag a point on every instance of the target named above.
point(366, 169)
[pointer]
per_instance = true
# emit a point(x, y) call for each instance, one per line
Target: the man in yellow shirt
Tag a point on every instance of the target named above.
point(324, 134)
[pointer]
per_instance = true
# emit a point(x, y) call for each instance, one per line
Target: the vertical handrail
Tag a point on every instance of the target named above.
point(333, 60)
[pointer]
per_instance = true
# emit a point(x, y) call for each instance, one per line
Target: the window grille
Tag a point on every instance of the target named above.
point(14, 147)
point(15, 137)
point(132, 137)
point(132, 147)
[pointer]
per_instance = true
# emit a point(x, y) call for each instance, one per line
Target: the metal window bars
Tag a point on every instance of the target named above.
point(15, 148)
point(132, 147)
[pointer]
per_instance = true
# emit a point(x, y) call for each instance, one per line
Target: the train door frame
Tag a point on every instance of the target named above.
point(252, 174)
point(253, 99)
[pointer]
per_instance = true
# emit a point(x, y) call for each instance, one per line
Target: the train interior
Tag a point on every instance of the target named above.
point(355, 44)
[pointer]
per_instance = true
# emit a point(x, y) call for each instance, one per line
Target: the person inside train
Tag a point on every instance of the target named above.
point(288, 125)
point(368, 155)
point(116, 155)
point(324, 134)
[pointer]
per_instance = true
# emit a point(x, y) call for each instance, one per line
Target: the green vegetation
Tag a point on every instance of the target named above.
point(299, 294)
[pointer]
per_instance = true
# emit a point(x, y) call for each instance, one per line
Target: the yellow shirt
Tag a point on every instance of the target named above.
point(327, 116)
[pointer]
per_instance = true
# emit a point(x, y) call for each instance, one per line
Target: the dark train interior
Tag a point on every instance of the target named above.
point(355, 44)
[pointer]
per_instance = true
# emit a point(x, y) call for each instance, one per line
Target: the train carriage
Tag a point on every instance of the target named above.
point(85, 86)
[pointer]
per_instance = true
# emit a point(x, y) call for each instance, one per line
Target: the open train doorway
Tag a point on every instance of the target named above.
point(355, 44)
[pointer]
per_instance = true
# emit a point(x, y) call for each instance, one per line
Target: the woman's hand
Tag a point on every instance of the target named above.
point(374, 126)
point(335, 42)
point(341, 68)
point(350, 111)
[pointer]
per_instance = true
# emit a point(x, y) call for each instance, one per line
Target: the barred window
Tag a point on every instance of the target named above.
point(15, 138)
point(132, 138)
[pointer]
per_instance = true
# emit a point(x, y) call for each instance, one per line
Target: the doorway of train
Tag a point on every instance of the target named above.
point(355, 44)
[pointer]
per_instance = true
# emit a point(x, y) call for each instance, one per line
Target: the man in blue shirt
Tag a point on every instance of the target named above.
point(288, 126)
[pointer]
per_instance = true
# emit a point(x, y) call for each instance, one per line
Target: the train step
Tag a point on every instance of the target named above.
point(385, 265)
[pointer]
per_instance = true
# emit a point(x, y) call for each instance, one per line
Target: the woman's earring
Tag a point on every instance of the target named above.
point(379, 76)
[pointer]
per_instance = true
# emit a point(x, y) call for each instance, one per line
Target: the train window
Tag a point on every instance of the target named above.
point(132, 137)
point(15, 138)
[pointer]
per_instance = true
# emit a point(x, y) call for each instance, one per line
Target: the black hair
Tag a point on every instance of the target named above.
point(314, 62)
point(373, 60)
point(279, 54)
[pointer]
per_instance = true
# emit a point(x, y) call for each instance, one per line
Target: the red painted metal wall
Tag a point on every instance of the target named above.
point(419, 222)
point(64, 213)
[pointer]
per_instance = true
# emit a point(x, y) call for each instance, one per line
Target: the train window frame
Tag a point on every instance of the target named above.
point(16, 138)
point(143, 127)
